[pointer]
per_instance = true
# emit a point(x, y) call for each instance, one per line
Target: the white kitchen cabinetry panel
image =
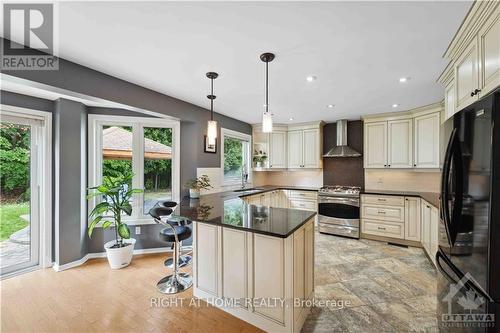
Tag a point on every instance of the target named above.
point(489, 42)
point(207, 263)
point(386, 200)
point(412, 219)
point(295, 149)
point(386, 213)
point(235, 264)
point(381, 228)
point(427, 140)
point(434, 231)
point(298, 269)
point(449, 100)
point(400, 143)
point(375, 151)
point(426, 225)
point(277, 151)
point(309, 261)
point(467, 76)
point(268, 274)
point(303, 204)
point(311, 148)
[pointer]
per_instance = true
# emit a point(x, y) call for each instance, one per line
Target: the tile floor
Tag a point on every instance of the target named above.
point(384, 288)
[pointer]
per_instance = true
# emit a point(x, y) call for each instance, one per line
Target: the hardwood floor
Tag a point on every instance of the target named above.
point(94, 298)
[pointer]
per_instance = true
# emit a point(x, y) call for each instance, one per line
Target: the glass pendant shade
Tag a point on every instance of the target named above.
point(267, 122)
point(211, 132)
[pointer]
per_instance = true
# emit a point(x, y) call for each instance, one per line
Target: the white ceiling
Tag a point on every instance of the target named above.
point(357, 50)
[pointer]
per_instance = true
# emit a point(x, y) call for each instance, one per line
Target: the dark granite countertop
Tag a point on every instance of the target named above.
point(430, 197)
point(228, 209)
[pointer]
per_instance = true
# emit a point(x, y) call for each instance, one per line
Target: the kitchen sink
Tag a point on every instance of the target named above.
point(248, 190)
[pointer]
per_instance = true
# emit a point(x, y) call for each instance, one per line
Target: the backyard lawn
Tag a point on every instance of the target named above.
point(10, 219)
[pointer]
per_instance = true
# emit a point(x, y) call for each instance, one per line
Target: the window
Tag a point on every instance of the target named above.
point(148, 148)
point(235, 156)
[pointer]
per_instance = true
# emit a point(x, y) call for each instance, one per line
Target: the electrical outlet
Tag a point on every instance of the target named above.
point(137, 230)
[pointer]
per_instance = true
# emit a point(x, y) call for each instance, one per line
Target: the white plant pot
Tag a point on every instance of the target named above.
point(193, 193)
point(121, 256)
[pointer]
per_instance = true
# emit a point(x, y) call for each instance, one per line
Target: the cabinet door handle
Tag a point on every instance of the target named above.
point(381, 199)
point(415, 164)
point(389, 165)
point(475, 92)
point(380, 228)
point(381, 212)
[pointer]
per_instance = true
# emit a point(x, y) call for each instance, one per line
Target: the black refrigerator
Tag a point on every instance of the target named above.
point(468, 257)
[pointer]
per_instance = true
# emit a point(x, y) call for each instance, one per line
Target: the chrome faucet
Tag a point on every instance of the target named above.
point(244, 176)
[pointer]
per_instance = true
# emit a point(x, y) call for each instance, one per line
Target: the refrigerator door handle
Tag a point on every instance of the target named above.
point(445, 209)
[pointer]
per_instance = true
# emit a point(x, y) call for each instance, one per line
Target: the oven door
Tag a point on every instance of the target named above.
point(344, 211)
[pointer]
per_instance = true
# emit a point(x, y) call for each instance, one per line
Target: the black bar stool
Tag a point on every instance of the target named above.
point(176, 282)
point(184, 259)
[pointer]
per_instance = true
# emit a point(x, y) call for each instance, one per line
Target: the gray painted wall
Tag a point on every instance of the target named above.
point(77, 78)
point(70, 180)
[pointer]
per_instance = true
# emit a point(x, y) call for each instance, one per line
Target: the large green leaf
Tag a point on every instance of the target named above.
point(100, 208)
point(124, 231)
point(107, 224)
point(93, 224)
point(127, 208)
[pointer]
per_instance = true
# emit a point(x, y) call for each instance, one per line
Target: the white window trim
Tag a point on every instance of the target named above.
point(236, 135)
point(95, 124)
point(44, 181)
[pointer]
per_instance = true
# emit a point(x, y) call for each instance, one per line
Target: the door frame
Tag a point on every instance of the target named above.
point(45, 183)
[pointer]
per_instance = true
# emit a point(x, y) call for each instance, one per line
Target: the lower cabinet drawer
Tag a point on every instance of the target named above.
point(303, 204)
point(385, 213)
point(311, 195)
point(387, 200)
point(387, 229)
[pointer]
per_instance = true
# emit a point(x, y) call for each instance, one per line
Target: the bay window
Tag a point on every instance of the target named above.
point(147, 148)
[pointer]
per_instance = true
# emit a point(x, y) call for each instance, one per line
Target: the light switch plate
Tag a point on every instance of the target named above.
point(137, 230)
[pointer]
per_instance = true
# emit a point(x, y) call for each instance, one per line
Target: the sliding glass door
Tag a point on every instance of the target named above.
point(19, 192)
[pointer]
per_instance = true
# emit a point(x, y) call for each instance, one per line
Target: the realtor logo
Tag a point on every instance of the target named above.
point(29, 37)
point(469, 301)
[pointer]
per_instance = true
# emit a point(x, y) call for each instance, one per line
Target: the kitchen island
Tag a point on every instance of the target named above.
point(254, 262)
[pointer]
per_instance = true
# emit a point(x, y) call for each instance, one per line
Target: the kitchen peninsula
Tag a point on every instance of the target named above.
point(252, 261)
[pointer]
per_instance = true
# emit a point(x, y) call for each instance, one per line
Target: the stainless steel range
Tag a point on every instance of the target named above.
point(338, 210)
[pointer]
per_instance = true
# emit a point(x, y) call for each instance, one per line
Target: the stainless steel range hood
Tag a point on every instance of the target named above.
point(342, 149)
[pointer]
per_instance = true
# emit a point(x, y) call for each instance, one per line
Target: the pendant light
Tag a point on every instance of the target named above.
point(267, 119)
point(212, 124)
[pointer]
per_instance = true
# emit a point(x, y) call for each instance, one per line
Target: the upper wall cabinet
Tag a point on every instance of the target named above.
point(474, 54)
point(427, 141)
point(467, 79)
point(403, 140)
point(277, 149)
point(297, 146)
point(375, 149)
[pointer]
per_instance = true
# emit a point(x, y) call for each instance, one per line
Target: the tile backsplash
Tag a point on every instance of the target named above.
point(309, 178)
point(403, 180)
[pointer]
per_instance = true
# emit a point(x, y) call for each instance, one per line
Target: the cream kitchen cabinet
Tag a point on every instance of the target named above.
point(295, 149)
point(489, 53)
point(467, 76)
point(297, 146)
point(389, 142)
point(474, 57)
point(277, 150)
point(412, 219)
point(375, 150)
point(430, 225)
point(391, 216)
point(400, 143)
point(426, 140)
point(304, 149)
point(449, 100)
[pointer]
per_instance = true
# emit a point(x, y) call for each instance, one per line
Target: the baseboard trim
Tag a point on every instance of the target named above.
point(96, 255)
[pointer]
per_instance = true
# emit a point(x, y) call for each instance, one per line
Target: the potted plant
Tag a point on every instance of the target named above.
point(259, 158)
point(197, 184)
point(115, 194)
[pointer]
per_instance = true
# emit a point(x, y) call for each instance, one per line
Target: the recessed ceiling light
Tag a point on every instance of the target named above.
point(395, 105)
point(291, 118)
point(404, 79)
point(311, 78)
point(330, 106)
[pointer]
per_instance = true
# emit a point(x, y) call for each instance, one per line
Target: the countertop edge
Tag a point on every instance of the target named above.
point(262, 232)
